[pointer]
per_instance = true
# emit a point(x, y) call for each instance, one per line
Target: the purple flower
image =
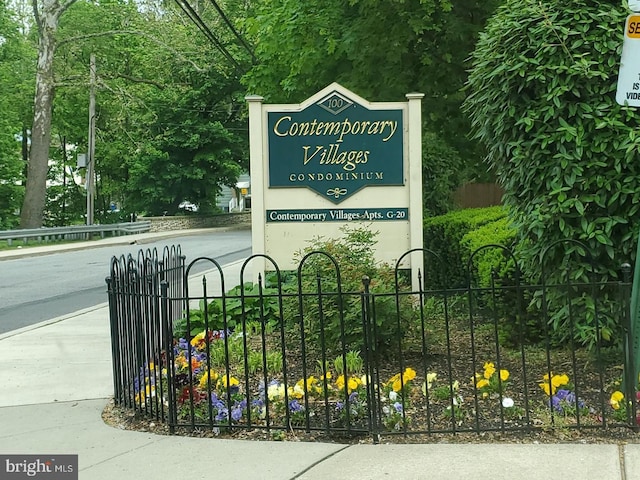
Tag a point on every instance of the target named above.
point(556, 404)
point(223, 414)
point(398, 407)
point(238, 410)
point(294, 406)
point(216, 402)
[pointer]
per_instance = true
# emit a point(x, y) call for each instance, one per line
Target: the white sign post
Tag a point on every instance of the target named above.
point(628, 91)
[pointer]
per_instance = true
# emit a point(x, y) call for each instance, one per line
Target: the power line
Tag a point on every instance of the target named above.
point(235, 32)
point(195, 18)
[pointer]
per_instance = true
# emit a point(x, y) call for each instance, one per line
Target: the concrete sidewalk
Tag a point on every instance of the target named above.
point(56, 379)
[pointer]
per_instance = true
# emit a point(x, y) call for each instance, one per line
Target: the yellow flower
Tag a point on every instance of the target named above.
point(616, 398)
point(205, 378)
point(296, 392)
point(546, 388)
point(559, 380)
point(504, 375)
point(397, 385)
point(431, 377)
point(400, 380)
point(340, 382)
point(198, 340)
point(353, 384)
point(409, 374)
point(181, 362)
point(489, 370)
point(233, 381)
point(550, 387)
point(483, 382)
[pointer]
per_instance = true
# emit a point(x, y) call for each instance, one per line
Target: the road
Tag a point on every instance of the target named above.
point(37, 288)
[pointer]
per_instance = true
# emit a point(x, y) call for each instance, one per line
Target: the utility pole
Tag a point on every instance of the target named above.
point(92, 138)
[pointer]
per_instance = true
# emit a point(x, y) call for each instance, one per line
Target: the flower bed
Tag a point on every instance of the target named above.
point(218, 387)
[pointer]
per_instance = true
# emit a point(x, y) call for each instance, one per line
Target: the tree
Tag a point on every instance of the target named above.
point(47, 15)
point(542, 100)
point(15, 72)
point(162, 119)
point(380, 50)
point(172, 127)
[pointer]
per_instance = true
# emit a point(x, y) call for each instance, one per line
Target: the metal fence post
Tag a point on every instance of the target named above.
point(628, 344)
point(169, 362)
point(369, 355)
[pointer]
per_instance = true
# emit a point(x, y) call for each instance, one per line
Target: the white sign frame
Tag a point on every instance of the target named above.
point(280, 241)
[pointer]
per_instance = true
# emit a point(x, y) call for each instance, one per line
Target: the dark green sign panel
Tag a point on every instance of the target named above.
point(335, 147)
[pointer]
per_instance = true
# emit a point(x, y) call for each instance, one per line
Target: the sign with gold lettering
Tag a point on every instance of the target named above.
point(335, 159)
point(335, 147)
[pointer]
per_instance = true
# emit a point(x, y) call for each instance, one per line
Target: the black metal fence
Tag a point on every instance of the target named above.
point(300, 351)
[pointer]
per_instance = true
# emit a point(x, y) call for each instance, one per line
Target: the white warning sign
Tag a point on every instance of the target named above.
point(628, 91)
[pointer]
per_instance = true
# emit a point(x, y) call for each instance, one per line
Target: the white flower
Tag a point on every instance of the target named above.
point(276, 391)
point(507, 402)
point(393, 396)
point(385, 410)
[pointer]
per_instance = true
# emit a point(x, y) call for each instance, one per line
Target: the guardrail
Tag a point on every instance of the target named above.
point(75, 232)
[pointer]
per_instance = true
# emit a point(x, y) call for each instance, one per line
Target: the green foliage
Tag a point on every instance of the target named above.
point(443, 235)
point(442, 170)
point(17, 71)
point(494, 268)
point(379, 50)
point(241, 304)
point(493, 262)
point(353, 361)
point(169, 112)
point(231, 351)
point(339, 326)
point(541, 99)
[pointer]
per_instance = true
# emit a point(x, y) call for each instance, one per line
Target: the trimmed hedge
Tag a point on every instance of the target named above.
point(488, 260)
point(443, 235)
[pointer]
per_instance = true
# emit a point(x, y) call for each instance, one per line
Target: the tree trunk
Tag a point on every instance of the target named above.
point(46, 17)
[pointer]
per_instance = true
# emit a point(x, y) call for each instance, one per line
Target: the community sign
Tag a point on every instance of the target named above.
point(335, 147)
point(332, 160)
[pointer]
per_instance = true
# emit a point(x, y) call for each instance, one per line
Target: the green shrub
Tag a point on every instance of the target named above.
point(443, 235)
point(494, 269)
point(489, 262)
point(541, 98)
point(260, 309)
point(336, 325)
